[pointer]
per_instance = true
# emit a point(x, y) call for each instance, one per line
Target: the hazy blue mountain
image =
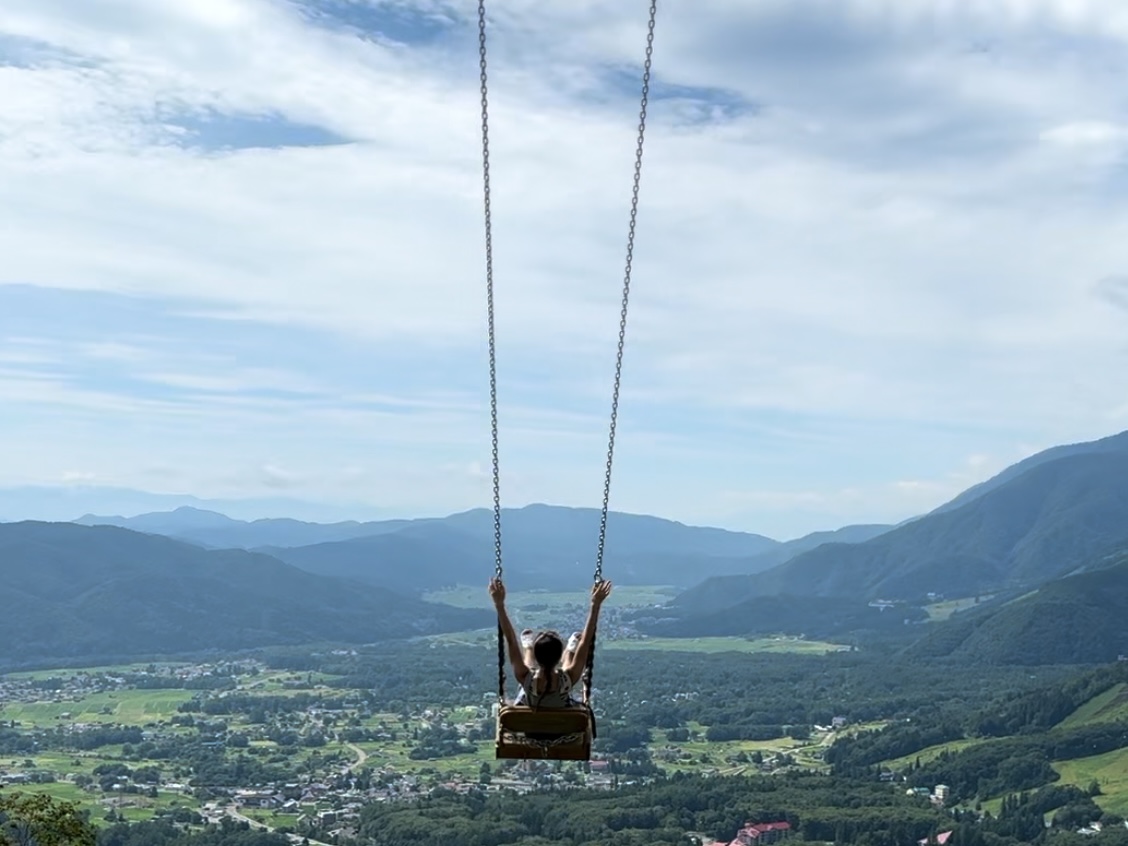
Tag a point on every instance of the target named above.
point(218, 531)
point(74, 590)
point(544, 546)
point(1037, 526)
point(63, 502)
point(405, 561)
point(539, 524)
point(789, 549)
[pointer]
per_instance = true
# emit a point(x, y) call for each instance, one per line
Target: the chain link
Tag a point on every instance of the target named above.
point(493, 338)
point(491, 334)
point(626, 293)
point(622, 325)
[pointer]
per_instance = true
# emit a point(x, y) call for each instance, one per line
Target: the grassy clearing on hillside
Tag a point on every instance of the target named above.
point(944, 610)
point(1109, 770)
point(931, 753)
point(624, 596)
point(128, 707)
point(1108, 707)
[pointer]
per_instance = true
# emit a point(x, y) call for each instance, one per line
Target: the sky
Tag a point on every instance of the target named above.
point(882, 251)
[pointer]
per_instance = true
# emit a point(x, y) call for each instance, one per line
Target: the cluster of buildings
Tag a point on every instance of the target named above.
point(758, 834)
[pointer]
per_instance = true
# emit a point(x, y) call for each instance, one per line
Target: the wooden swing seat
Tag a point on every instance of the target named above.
point(556, 734)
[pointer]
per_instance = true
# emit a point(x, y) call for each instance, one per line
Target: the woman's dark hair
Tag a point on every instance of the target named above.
point(548, 649)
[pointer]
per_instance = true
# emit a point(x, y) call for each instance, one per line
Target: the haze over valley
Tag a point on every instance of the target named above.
point(802, 323)
point(1050, 531)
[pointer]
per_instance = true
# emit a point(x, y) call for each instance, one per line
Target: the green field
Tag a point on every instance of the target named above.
point(128, 707)
point(71, 672)
point(623, 596)
point(544, 608)
point(723, 644)
point(1110, 771)
point(132, 807)
point(1110, 706)
point(395, 755)
point(488, 637)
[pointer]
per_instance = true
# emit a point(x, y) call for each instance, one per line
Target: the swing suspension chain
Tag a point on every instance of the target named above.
point(491, 334)
point(626, 293)
point(492, 338)
point(622, 326)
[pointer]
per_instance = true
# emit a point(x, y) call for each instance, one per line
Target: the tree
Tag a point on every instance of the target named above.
point(41, 820)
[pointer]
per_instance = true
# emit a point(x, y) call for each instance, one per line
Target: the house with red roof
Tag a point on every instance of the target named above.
point(758, 834)
point(940, 839)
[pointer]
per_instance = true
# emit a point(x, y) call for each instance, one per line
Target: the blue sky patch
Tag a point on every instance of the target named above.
point(19, 52)
point(399, 23)
point(694, 104)
point(70, 326)
point(215, 131)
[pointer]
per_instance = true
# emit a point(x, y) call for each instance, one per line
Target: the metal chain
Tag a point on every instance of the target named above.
point(622, 330)
point(622, 325)
point(491, 334)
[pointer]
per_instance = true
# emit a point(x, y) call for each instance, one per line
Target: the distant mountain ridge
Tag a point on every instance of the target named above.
point(75, 590)
point(218, 531)
point(1113, 443)
point(61, 502)
point(1034, 526)
point(543, 546)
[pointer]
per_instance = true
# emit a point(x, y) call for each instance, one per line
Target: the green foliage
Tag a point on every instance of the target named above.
point(1079, 619)
point(164, 833)
point(666, 690)
point(1016, 763)
point(40, 820)
point(1045, 707)
point(821, 808)
point(855, 754)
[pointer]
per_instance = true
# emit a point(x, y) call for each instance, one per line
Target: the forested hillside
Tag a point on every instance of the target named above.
point(80, 591)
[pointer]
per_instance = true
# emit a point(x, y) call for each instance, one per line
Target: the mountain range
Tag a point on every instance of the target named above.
point(1044, 544)
point(1047, 537)
point(543, 546)
point(1030, 527)
point(76, 590)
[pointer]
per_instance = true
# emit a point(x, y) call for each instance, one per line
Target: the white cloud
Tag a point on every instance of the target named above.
point(895, 234)
point(1086, 132)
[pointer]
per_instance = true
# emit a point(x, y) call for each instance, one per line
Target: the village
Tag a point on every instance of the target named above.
point(90, 736)
point(282, 750)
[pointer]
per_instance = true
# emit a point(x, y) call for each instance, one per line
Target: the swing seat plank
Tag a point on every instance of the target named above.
point(561, 734)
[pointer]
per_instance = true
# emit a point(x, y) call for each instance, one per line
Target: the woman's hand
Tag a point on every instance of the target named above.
point(497, 592)
point(599, 592)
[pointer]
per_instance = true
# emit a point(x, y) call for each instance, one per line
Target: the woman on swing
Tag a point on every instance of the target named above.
point(545, 672)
